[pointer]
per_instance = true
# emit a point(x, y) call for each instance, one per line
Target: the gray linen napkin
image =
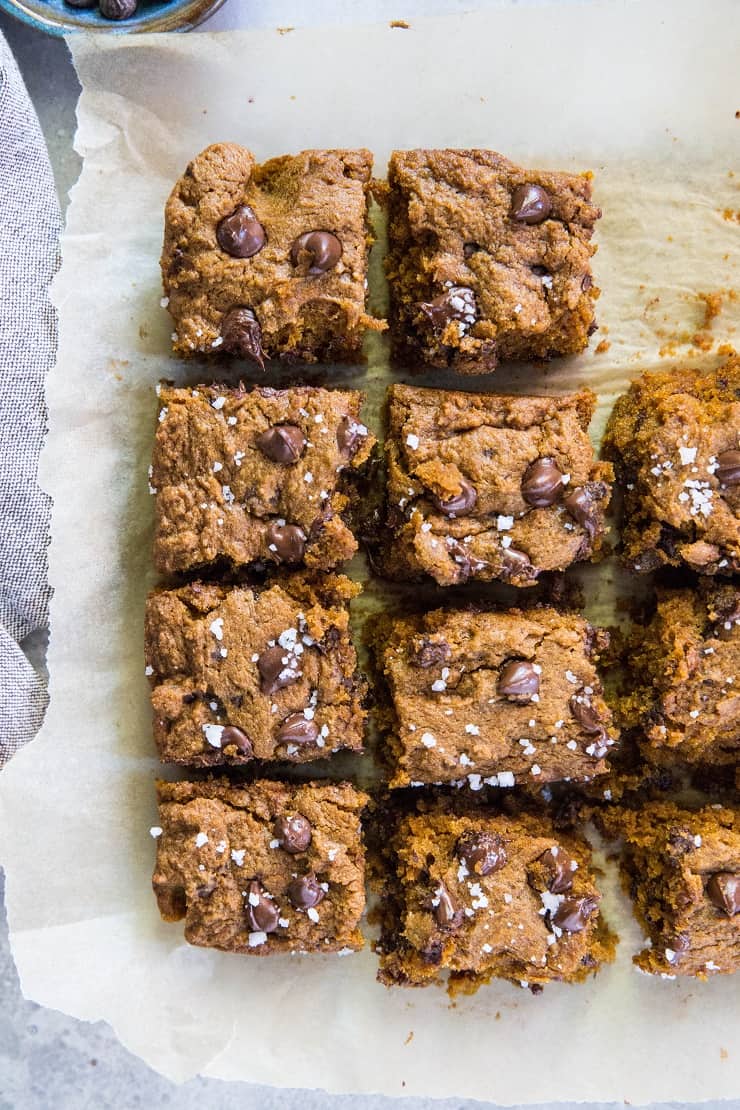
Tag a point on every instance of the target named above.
point(29, 229)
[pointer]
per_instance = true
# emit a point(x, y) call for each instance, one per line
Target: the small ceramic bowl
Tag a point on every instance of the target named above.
point(57, 18)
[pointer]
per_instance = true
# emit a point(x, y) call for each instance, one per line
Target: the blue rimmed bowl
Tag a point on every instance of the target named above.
point(57, 18)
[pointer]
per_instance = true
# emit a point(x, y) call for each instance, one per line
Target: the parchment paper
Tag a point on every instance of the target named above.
point(645, 94)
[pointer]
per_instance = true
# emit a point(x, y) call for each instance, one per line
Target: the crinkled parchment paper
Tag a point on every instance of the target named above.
point(645, 94)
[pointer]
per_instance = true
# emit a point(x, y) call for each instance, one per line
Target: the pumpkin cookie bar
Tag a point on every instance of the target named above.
point(256, 478)
point(498, 698)
point(682, 870)
point(490, 486)
point(246, 672)
point(489, 896)
point(487, 260)
point(684, 678)
point(675, 440)
point(269, 261)
point(262, 869)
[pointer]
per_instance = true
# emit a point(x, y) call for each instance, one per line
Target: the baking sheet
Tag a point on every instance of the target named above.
point(643, 93)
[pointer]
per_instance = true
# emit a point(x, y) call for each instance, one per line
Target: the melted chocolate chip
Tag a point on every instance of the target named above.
point(322, 249)
point(557, 869)
point(294, 833)
point(260, 911)
point(460, 504)
point(456, 303)
point(242, 335)
point(723, 891)
point(581, 507)
point(431, 653)
point(585, 713)
point(542, 483)
point(278, 668)
point(586, 282)
point(241, 234)
point(286, 543)
point(305, 892)
point(283, 443)
point(530, 204)
point(349, 434)
point(515, 564)
point(297, 729)
point(118, 9)
point(233, 736)
point(447, 913)
point(482, 852)
point(469, 249)
point(728, 468)
point(572, 915)
point(518, 679)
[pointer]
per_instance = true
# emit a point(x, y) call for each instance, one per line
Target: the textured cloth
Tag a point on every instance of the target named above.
point(29, 231)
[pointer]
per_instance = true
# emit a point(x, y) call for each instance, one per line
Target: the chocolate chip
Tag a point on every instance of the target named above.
point(349, 434)
point(241, 234)
point(260, 911)
point(447, 914)
point(286, 543)
point(234, 737)
point(322, 248)
point(278, 668)
point(469, 249)
point(539, 271)
point(585, 714)
point(82, 3)
point(118, 9)
point(305, 892)
point(294, 833)
point(460, 504)
point(242, 335)
point(723, 891)
point(518, 679)
point(482, 852)
point(572, 915)
point(586, 282)
point(283, 443)
point(297, 729)
point(728, 468)
point(542, 483)
point(530, 204)
point(515, 564)
point(431, 653)
point(557, 869)
point(581, 507)
point(456, 303)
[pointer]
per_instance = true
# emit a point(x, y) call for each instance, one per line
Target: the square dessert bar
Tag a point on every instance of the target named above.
point(267, 261)
point(485, 896)
point(244, 672)
point(682, 870)
point(256, 478)
point(675, 440)
point(491, 487)
point(497, 698)
point(262, 869)
point(487, 260)
point(685, 677)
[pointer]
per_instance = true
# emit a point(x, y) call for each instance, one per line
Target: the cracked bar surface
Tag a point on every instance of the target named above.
point(492, 698)
point(245, 672)
point(256, 478)
point(269, 261)
point(684, 667)
point(490, 486)
point(674, 438)
point(262, 869)
point(487, 260)
point(681, 868)
point(486, 896)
